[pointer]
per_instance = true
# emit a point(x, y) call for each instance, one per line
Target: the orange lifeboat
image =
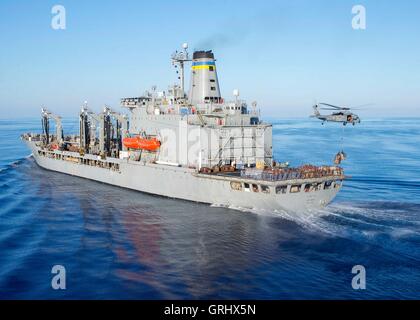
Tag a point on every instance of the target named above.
point(151, 144)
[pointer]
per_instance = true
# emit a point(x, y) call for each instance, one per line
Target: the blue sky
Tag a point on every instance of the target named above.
point(283, 54)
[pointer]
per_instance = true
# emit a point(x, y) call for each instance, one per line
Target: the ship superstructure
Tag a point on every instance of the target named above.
point(194, 146)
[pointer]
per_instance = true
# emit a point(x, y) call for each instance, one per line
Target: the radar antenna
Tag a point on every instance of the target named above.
point(236, 95)
point(254, 107)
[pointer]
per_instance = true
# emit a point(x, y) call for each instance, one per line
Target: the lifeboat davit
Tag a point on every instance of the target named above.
point(150, 144)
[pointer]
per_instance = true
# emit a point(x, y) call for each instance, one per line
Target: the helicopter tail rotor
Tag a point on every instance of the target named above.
point(316, 111)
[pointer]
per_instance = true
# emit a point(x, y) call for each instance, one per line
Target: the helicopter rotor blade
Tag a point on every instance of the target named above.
point(335, 107)
point(330, 105)
point(364, 106)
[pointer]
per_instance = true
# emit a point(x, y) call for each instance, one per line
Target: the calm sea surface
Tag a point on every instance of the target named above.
point(122, 244)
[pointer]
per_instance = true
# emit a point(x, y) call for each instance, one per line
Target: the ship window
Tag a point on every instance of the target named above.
point(213, 88)
point(265, 189)
point(254, 120)
point(212, 80)
point(246, 187)
point(281, 189)
point(236, 185)
point(295, 188)
point(308, 187)
point(211, 68)
point(327, 185)
point(255, 188)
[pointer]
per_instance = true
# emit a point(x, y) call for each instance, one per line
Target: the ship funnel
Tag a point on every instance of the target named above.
point(204, 82)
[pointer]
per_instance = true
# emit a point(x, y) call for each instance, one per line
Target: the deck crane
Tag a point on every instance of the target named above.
point(46, 116)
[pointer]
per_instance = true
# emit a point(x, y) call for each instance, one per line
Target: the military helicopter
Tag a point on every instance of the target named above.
point(341, 114)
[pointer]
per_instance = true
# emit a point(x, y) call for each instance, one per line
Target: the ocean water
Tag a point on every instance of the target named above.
point(121, 244)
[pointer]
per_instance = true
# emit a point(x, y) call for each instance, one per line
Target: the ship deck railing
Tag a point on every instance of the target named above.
point(288, 174)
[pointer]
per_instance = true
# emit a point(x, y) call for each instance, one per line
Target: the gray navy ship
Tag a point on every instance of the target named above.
point(193, 146)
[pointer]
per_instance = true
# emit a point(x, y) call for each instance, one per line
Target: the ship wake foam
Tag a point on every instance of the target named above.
point(368, 220)
point(15, 164)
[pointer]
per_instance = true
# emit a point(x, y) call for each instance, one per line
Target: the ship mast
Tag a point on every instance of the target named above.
point(178, 59)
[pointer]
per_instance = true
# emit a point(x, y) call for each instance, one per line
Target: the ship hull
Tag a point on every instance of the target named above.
point(187, 184)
